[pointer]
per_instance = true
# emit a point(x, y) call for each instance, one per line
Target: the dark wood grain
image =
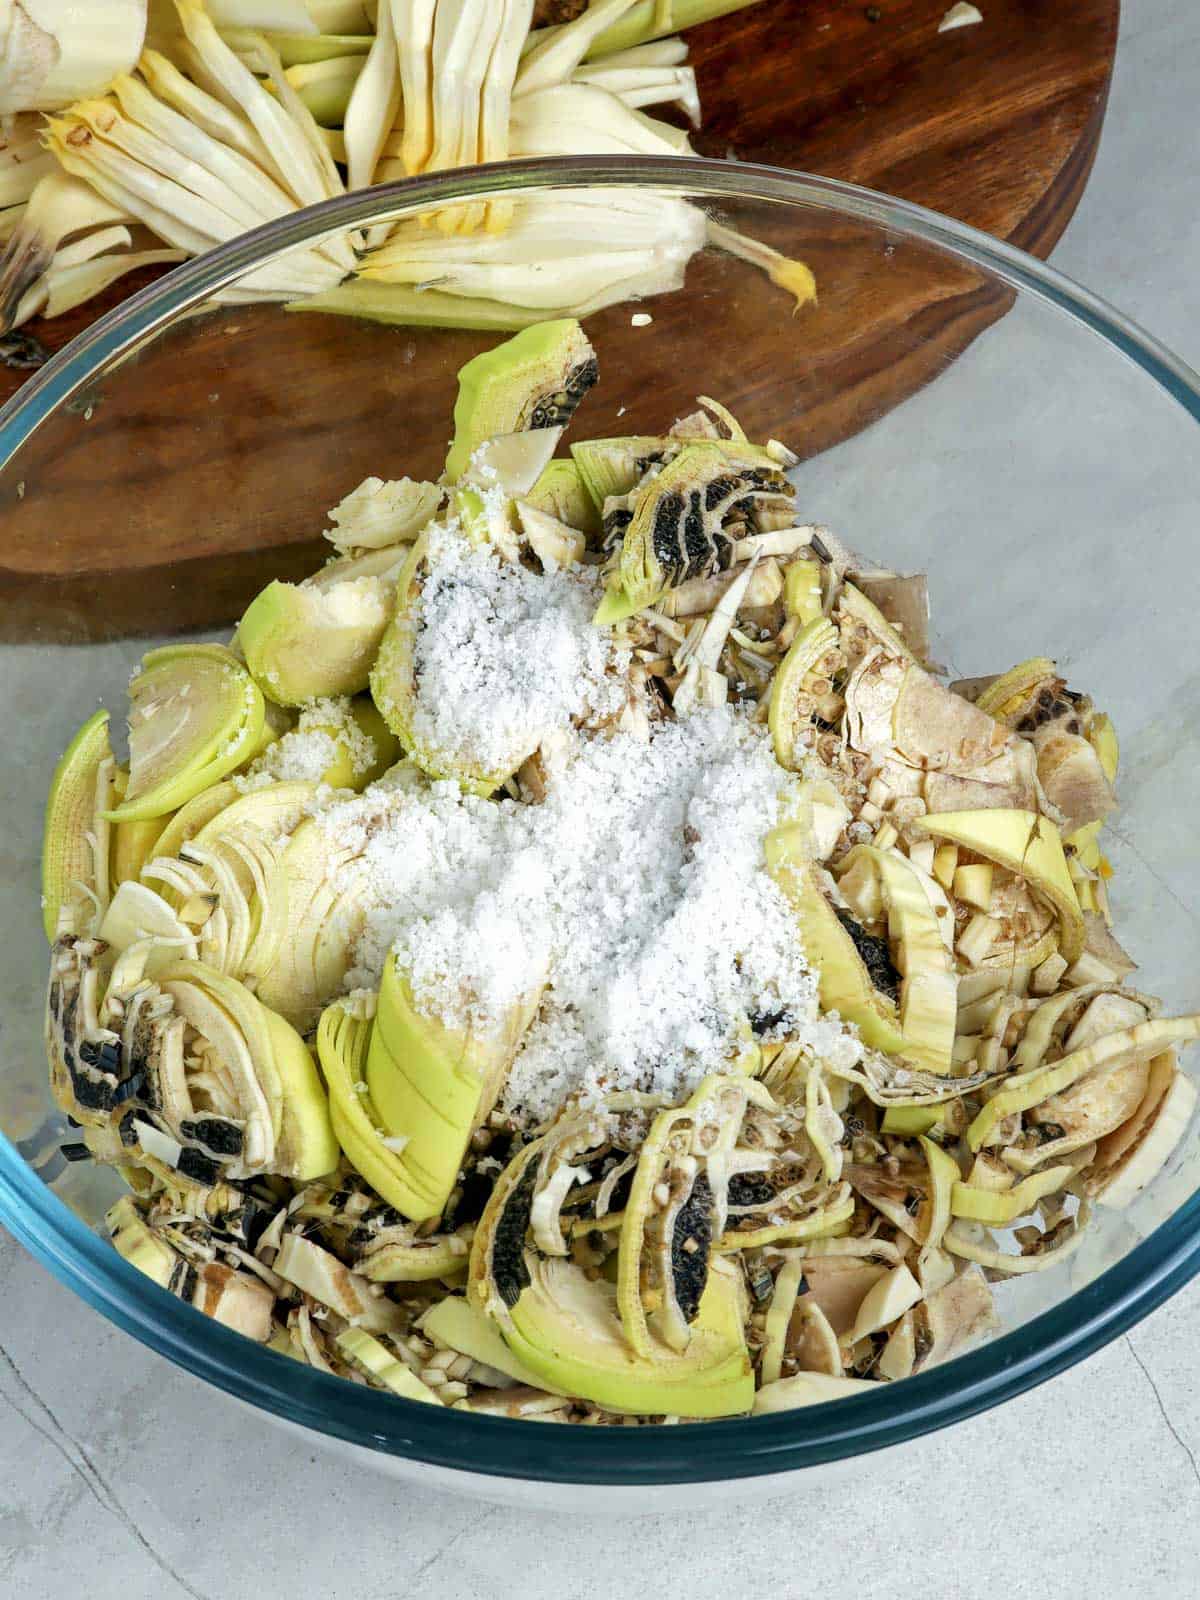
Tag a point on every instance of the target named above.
point(188, 480)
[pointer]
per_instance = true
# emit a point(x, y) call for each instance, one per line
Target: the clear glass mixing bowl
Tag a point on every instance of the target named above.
point(175, 457)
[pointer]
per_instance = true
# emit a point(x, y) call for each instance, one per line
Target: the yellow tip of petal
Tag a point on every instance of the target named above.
point(796, 278)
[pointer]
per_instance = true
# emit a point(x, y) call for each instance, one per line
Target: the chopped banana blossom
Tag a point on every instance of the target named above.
point(481, 620)
point(573, 958)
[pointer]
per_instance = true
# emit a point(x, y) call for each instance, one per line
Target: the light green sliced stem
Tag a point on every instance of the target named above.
point(337, 69)
point(405, 307)
point(638, 26)
point(327, 101)
point(300, 52)
point(582, 278)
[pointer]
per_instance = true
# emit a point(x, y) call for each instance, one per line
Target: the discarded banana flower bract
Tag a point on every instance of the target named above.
point(162, 141)
point(574, 958)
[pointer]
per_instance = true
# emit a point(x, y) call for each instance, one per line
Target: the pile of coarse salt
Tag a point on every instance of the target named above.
point(324, 732)
point(631, 906)
point(503, 656)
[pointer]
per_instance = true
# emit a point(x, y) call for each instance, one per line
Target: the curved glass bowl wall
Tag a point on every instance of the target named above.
point(960, 410)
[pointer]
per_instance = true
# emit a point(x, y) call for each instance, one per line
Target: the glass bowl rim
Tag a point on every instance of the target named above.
point(700, 1452)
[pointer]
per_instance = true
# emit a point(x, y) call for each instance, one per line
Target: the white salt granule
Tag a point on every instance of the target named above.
point(503, 657)
point(631, 909)
point(324, 732)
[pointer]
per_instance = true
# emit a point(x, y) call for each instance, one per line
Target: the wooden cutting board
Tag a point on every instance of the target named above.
point(995, 124)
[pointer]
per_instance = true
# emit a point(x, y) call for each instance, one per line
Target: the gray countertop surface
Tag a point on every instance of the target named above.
point(122, 1478)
